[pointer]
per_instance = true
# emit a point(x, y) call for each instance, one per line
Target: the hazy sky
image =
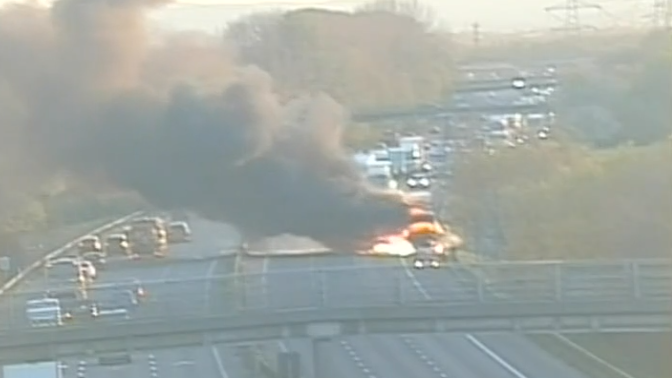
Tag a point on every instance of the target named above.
point(493, 15)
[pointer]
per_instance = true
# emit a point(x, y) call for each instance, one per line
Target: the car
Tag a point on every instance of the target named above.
point(44, 312)
point(418, 181)
point(98, 259)
point(87, 269)
point(518, 83)
point(158, 224)
point(422, 263)
point(117, 244)
point(90, 243)
point(429, 253)
point(179, 232)
point(65, 268)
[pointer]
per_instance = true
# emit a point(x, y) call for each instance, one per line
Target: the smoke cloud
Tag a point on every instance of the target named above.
point(85, 88)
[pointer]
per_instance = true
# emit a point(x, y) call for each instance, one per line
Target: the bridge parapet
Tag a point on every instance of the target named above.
point(482, 284)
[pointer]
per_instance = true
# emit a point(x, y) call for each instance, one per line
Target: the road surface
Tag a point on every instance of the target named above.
point(365, 357)
point(196, 262)
point(503, 356)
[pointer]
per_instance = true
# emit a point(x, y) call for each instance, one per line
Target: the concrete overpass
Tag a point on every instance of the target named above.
point(606, 316)
point(550, 297)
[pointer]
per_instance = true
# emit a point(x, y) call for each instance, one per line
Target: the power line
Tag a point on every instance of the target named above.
point(571, 15)
point(476, 34)
point(662, 14)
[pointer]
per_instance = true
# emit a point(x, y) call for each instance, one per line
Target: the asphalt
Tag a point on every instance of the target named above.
point(201, 262)
point(184, 282)
point(440, 356)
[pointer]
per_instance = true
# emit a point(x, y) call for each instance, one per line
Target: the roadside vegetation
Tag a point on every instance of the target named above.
point(583, 194)
point(381, 55)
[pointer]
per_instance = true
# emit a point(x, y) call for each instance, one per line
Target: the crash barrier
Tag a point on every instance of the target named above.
point(11, 283)
point(500, 283)
point(330, 321)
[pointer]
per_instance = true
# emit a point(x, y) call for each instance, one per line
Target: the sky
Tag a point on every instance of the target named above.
point(456, 15)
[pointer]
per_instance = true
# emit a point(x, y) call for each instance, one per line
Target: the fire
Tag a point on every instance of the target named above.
point(392, 245)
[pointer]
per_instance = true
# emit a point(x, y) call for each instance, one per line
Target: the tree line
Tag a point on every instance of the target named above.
point(382, 54)
point(388, 54)
point(594, 191)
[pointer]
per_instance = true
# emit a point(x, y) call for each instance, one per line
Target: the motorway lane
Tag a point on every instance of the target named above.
point(197, 262)
point(365, 357)
point(498, 356)
point(515, 354)
point(194, 362)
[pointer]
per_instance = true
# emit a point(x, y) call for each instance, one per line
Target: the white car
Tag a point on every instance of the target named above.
point(87, 269)
point(418, 182)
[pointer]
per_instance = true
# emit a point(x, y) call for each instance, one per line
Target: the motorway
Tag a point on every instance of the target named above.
point(497, 356)
point(207, 256)
point(503, 356)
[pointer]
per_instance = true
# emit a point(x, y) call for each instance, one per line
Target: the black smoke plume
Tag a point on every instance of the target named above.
point(86, 90)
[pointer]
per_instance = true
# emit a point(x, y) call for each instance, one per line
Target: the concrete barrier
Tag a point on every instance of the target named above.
point(11, 283)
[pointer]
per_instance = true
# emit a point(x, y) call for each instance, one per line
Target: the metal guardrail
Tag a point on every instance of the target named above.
point(11, 283)
point(250, 326)
point(495, 297)
point(285, 291)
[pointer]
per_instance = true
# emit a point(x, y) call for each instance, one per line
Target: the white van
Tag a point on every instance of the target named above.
point(44, 312)
point(63, 269)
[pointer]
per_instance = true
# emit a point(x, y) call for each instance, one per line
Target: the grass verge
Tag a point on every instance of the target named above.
point(636, 355)
point(641, 355)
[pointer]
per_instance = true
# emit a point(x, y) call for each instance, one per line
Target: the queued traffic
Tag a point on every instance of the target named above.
point(75, 296)
point(405, 164)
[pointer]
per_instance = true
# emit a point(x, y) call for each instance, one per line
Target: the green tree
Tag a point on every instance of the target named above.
point(564, 201)
point(366, 59)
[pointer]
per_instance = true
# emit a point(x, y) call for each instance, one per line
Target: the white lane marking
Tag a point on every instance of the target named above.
point(264, 280)
point(471, 338)
point(153, 366)
point(81, 369)
point(352, 353)
point(208, 283)
point(418, 352)
point(593, 356)
point(494, 356)
point(218, 361)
